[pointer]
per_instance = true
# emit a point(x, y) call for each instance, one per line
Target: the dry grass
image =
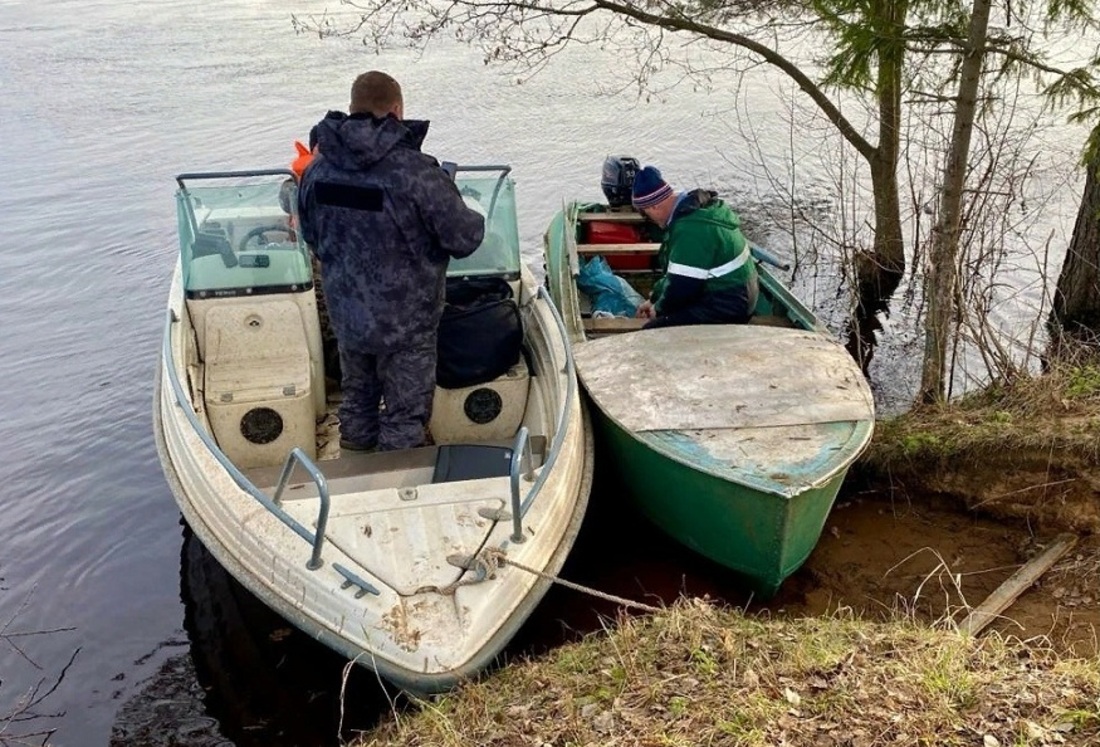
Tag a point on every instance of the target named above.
point(1029, 450)
point(699, 675)
point(1060, 409)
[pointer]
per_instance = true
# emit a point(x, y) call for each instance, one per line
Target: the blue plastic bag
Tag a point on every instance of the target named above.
point(609, 293)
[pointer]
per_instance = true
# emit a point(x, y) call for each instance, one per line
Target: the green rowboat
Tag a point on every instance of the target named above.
point(733, 439)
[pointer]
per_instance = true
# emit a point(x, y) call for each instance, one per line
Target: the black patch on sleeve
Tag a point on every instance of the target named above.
point(349, 196)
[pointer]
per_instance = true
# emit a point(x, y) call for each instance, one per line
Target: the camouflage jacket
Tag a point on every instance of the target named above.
point(384, 219)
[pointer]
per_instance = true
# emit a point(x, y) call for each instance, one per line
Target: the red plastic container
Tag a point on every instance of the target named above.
point(616, 232)
point(611, 232)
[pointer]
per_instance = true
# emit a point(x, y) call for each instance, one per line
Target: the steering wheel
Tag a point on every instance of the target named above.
point(259, 232)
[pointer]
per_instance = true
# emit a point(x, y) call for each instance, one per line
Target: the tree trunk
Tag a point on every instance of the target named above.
point(943, 262)
point(879, 274)
point(1075, 314)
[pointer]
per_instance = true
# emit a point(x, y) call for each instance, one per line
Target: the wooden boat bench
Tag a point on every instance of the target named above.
point(591, 250)
point(625, 254)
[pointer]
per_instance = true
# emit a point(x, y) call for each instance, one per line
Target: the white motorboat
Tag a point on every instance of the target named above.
point(400, 560)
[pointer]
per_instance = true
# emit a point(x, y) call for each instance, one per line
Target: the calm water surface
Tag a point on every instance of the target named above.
point(101, 104)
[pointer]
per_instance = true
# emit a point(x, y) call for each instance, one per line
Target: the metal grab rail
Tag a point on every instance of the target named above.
point(504, 171)
point(563, 412)
point(299, 456)
point(519, 446)
point(183, 402)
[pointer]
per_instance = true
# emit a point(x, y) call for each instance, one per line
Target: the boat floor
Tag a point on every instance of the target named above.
point(403, 515)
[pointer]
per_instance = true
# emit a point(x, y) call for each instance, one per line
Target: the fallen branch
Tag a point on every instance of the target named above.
point(1019, 582)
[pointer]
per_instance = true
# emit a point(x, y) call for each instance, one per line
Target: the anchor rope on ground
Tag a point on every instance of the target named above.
point(495, 557)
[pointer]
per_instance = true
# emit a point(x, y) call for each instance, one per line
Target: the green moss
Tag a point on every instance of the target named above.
point(677, 705)
point(1083, 382)
point(703, 663)
point(921, 442)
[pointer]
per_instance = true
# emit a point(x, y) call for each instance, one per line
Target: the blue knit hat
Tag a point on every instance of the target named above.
point(649, 188)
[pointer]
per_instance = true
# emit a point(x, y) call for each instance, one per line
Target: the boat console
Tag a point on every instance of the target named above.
point(258, 368)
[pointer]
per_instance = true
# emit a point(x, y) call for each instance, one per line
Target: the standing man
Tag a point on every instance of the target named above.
point(384, 219)
point(709, 276)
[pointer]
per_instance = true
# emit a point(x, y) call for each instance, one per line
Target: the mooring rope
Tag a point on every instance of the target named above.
point(493, 558)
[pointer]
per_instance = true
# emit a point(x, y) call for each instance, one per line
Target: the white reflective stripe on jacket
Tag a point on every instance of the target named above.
point(715, 272)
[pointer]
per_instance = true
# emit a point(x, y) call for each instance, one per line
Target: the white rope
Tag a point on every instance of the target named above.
point(494, 557)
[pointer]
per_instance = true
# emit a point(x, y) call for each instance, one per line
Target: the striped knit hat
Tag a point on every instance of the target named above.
point(649, 188)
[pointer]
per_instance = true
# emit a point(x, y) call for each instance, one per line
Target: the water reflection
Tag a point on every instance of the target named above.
point(264, 681)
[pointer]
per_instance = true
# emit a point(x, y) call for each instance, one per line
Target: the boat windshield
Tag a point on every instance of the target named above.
point(490, 191)
point(236, 231)
point(236, 234)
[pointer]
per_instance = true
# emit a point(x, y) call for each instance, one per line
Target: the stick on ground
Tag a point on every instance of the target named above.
point(1019, 582)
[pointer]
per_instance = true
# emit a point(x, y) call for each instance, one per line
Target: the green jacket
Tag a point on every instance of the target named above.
point(706, 263)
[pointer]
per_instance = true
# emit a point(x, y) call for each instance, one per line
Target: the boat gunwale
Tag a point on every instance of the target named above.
point(673, 454)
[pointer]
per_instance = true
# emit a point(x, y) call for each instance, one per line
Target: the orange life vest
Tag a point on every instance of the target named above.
point(303, 159)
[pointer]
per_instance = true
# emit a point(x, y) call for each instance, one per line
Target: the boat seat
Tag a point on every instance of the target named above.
point(588, 250)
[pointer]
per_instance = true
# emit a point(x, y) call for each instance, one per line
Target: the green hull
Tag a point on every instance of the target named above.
point(733, 439)
point(763, 536)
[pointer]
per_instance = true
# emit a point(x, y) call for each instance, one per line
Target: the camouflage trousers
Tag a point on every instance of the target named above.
point(387, 396)
point(330, 350)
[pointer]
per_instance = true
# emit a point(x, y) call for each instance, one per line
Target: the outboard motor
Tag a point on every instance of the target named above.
point(618, 179)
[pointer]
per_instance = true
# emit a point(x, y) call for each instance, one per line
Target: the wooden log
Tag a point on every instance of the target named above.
point(587, 250)
point(1019, 582)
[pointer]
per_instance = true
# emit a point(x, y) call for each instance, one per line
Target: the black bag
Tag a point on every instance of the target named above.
point(480, 334)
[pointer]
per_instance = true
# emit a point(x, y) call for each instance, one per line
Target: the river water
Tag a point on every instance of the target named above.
point(102, 102)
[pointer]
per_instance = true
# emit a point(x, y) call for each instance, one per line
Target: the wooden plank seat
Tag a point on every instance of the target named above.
point(615, 216)
point(606, 325)
point(590, 250)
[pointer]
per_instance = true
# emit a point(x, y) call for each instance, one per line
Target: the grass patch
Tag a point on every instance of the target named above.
point(1058, 410)
point(697, 675)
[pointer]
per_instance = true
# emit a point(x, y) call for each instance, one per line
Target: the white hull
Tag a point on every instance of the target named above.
point(387, 593)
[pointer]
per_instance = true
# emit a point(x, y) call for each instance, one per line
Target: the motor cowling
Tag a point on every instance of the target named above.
point(617, 179)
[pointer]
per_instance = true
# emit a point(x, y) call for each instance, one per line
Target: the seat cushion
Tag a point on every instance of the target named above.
point(458, 462)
